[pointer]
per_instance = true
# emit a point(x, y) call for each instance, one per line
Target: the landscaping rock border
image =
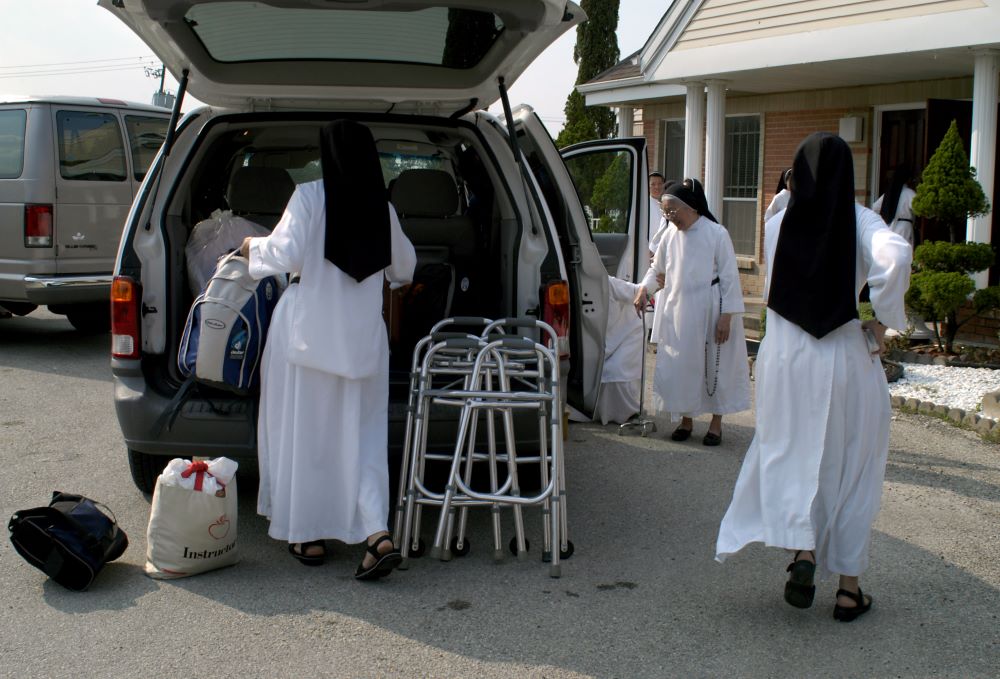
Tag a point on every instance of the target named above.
point(984, 426)
point(927, 359)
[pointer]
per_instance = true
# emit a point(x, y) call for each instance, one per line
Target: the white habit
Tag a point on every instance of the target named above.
point(322, 433)
point(694, 375)
point(654, 328)
point(778, 203)
point(623, 354)
point(812, 477)
point(902, 223)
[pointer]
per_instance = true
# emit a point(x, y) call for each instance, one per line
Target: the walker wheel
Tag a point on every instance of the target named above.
point(512, 545)
point(563, 553)
point(465, 546)
point(419, 551)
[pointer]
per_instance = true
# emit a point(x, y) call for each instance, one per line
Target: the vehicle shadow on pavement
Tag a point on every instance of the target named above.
point(642, 596)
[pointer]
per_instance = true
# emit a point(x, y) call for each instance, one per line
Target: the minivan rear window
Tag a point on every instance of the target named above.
point(12, 143)
point(255, 31)
point(90, 146)
point(145, 136)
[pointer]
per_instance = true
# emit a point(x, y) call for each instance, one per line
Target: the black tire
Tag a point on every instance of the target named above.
point(512, 545)
point(90, 319)
point(465, 546)
point(419, 551)
point(563, 553)
point(145, 469)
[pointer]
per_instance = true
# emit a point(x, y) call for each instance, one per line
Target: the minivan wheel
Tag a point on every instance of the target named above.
point(145, 469)
point(90, 319)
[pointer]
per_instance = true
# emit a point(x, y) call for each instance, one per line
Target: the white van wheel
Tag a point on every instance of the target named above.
point(91, 319)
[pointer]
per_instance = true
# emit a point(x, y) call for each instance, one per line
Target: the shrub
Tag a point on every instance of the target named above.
point(948, 190)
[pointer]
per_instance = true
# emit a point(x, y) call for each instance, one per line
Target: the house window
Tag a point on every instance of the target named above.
point(672, 149)
point(739, 211)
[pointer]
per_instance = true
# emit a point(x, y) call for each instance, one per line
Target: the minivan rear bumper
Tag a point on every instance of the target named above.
point(44, 290)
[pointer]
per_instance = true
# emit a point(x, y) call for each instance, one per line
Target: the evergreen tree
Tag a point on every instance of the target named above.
point(948, 190)
point(596, 51)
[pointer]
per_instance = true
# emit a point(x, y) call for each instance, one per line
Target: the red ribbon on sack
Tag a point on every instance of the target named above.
point(200, 468)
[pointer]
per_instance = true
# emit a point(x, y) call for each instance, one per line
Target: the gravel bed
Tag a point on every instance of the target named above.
point(947, 386)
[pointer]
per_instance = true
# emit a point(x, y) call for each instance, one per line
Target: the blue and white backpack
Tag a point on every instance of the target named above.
point(223, 340)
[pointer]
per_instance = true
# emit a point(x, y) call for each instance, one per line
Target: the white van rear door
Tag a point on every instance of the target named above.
point(609, 178)
point(93, 188)
point(588, 280)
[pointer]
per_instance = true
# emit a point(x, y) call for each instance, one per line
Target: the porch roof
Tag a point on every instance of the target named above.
point(810, 45)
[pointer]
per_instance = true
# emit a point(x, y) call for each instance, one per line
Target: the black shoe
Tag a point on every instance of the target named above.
point(800, 590)
point(384, 563)
point(848, 613)
point(681, 434)
point(711, 439)
point(308, 559)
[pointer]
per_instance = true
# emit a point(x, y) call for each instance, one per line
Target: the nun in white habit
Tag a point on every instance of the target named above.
point(895, 206)
point(811, 480)
point(624, 348)
point(701, 359)
point(323, 424)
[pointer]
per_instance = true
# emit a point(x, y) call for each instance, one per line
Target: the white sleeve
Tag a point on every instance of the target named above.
point(621, 291)
point(658, 266)
point(284, 250)
point(729, 274)
point(404, 257)
point(886, 258)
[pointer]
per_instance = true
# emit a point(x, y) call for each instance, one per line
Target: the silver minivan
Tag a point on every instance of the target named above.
point(502, 224)
point(69, 170)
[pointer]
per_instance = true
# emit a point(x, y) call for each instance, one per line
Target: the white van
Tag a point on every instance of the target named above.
point(69, 169)
point(496, 219)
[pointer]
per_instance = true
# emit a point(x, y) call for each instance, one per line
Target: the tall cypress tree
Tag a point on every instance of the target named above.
point(596, 51)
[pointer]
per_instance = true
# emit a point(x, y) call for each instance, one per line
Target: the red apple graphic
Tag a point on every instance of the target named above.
point(220, 528)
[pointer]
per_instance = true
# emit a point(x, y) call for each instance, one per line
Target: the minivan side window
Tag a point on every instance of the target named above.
point(90, 146)
point(145, 135)
point(12, 143)
point(602, 182)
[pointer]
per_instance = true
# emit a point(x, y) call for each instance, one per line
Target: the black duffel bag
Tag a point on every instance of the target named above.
point(70, 540)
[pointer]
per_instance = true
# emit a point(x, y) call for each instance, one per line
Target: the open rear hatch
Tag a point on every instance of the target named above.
point(408, 55)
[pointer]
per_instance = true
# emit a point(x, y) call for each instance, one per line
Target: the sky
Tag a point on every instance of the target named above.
point(74, 47)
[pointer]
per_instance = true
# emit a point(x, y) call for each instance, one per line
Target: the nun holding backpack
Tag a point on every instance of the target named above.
point(323, 424)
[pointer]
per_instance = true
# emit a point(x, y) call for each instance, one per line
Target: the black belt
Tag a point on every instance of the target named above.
point(294, 279)
point(715, 281)
point(904, 219)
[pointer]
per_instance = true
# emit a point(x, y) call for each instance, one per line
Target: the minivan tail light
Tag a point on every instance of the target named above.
point(125, 301)
point(37, 226)
point(555, 312)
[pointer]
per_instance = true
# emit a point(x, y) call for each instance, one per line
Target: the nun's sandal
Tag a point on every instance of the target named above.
point(301, 552)
point(863, 604)
point(384, 563)
point(800, 590)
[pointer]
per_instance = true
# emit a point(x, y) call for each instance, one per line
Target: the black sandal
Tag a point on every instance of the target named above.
point(681, 434)
point(308, 559)
point(848, 613)
point(800, 590)
point(712, 439)
point(384, 563)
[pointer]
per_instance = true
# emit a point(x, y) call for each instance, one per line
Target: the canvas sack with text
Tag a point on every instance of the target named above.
point(192, 520)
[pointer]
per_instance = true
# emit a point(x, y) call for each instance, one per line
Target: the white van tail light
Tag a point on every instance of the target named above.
point(37, 226)
point(125, 300)
point(555, 312)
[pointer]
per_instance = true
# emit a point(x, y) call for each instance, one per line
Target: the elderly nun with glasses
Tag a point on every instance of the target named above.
point(701, 359)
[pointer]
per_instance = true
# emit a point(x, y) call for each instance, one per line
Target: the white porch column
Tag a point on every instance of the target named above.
point(626, 120)
point(694, 121)
point(715, 145)
point(982, 151)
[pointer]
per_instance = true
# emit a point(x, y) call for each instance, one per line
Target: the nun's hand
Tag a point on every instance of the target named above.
point(722, 328)
point(640, 301)
point(245, 248)
point(878, 330)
